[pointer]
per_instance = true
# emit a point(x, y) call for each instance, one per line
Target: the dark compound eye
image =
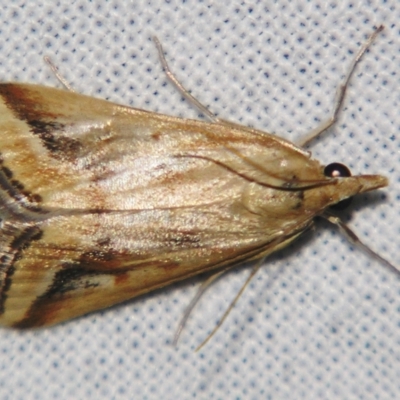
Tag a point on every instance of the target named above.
point(337, 170)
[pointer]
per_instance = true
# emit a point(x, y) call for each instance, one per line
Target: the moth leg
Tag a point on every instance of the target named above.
point(234, 301)
point(185, 93)
point(204, 286)
point(57, 74)
point(341, 92)
point(353, 238)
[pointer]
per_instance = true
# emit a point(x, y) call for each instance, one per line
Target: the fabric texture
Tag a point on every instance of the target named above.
point(321, 320)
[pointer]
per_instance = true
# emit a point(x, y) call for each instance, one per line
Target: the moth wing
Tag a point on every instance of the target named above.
point(102, 202)
point(63, 150)
point(57, 278)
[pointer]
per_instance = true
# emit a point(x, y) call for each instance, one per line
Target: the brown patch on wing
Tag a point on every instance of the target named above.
point(16, 189)
point(29, 106)
point(121, 279)
point(47, 307)
point(18, 241)
point(44, 312)
point(77, 290)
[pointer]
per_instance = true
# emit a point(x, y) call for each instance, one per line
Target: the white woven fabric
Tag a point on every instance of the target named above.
point(321, 320)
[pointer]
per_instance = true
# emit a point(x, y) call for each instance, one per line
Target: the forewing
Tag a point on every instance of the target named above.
point(62, 150)
point(102, 202)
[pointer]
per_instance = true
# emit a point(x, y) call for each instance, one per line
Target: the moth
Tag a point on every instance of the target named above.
point(101, 202)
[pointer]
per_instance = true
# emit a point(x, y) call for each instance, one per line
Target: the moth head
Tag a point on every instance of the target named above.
point(338, 195)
